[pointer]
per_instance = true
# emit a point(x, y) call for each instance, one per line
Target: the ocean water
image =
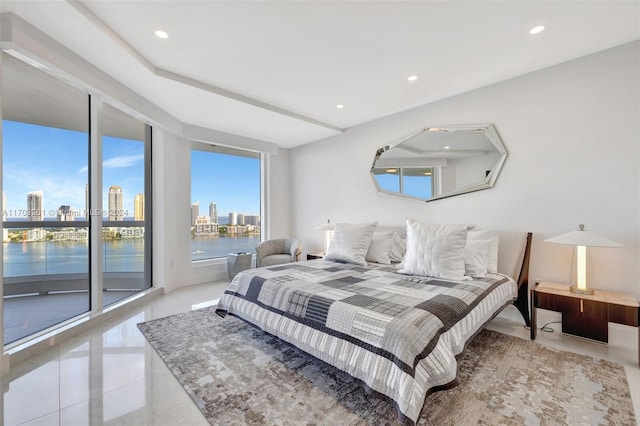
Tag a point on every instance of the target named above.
point(66, 257)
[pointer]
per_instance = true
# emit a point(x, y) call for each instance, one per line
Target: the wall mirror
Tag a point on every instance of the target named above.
point(440, 161)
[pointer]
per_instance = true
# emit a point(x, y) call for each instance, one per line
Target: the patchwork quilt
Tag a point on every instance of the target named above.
point(399, 334)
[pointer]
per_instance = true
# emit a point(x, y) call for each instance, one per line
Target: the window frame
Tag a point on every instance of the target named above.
point(222, 149)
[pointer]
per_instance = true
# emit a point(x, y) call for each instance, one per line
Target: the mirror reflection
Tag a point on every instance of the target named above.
point(439, 162)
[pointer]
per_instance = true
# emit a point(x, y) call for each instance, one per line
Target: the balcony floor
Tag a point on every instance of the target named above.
point(25, 315)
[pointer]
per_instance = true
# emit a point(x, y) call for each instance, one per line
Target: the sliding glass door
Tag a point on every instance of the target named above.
point(124, 201)
point(47, 214)
point(45, 149)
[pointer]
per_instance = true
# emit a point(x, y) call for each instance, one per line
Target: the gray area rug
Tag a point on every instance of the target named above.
point(237, 374)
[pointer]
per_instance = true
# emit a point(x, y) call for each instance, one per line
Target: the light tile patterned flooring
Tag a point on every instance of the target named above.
point(110, 375)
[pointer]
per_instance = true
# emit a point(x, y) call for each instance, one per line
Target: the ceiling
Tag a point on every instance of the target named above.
point(275, 71)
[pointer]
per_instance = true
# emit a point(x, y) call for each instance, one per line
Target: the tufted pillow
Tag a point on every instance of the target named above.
point(492, 263)
point(380, 248)
point(435, 250)
point(351, 242)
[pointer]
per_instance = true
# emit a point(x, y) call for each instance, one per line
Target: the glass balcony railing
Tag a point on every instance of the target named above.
point(59, 251)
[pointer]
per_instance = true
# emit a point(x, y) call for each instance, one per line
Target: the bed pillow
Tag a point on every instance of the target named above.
point(476, 257)
point(351, 242)
point(398, 248)
point(435, 250)
point(380, 248)
point(492, 265)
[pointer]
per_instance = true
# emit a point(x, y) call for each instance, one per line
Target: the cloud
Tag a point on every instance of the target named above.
point(122, 161)
point(117, 162)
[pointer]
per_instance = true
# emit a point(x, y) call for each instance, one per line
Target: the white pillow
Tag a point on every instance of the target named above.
point(435, 250)
point(398, 248)
point(350, 242)
point(476, 257)
point(380, 248)
point(492, 264)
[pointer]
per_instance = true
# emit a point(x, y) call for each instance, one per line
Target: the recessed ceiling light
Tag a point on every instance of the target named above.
point(162, 34)
point(447, 147)
point(413, 78)
point(391, 170)
point(537, 29)
point(339, 106)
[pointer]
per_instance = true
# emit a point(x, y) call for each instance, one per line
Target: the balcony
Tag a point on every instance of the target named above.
point(46, 278)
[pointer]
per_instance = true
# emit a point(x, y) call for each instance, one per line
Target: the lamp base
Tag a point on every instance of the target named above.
point(587, 291)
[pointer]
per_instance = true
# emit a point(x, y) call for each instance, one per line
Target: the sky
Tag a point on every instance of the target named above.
point(230, 181)
point(415, 186)
point(39, 158)
point(55, 161)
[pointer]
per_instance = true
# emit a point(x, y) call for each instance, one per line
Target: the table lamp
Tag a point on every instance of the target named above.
point(582, 239)
point(328, 229)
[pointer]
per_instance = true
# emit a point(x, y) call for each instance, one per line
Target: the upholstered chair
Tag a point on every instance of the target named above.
point(275, 252)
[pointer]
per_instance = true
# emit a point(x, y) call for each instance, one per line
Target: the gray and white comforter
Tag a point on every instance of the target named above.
point(399, 334)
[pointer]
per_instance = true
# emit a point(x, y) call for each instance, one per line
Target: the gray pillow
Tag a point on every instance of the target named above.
point(351, 242)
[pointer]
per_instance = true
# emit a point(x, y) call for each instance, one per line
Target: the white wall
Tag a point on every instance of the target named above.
point(573, 136)
point(277, 193)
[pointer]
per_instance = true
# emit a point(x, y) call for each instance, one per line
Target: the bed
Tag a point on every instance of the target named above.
point(398, 334)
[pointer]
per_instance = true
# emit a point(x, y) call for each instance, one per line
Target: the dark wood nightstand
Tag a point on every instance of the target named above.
point(586, 315)
point(311, 256)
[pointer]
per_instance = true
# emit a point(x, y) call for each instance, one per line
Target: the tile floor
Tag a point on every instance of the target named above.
point(26, 315)
point(110, 375)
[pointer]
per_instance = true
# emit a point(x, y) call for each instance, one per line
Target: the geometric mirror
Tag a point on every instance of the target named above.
point(439, 162)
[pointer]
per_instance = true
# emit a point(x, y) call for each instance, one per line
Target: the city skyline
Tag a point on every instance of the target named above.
point(232, 181)
point(34, 201)
point(232, 218)
point(63, 182)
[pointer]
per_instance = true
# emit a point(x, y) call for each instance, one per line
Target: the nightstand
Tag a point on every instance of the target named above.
point(586, 315)
point(311, 256)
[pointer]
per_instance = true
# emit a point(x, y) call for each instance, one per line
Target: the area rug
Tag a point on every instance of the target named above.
point(237, 374)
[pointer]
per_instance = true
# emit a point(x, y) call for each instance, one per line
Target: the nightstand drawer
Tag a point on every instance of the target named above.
point(556, 303)
point(572, 306)
point(626, 315)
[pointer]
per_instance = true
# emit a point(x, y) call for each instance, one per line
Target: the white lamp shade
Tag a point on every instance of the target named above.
point(328, 226)
point(583, 238)
point(328, 229)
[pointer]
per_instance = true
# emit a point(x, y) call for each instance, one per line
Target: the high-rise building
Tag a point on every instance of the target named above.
point(195, 212)
point(233, 218)
point(138, 207)
point(240, 218)
point(65, 214)
point(35, 206)
point(252, 220)
point(213, 212)
point(115, 203)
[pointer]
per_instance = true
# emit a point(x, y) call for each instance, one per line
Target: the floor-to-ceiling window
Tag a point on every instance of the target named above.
point(225, 201)
point(124, 202)
point(47, 214)
point(45, 162)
